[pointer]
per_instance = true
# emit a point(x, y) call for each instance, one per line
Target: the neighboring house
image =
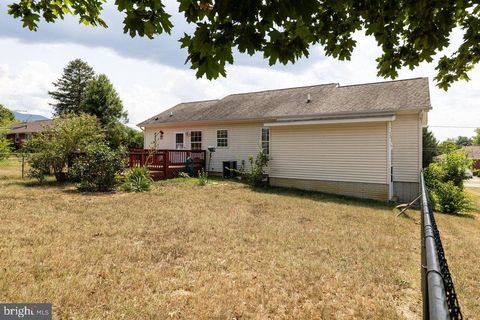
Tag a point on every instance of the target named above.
point(473, 153)
point(19, 132)
point(359, 140)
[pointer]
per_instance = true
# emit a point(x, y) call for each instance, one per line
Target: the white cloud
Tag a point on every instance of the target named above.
point(26, 88)
point(146, 88)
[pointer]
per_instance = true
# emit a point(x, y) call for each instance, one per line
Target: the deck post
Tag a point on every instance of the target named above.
point(165, 163)
point(205, 160)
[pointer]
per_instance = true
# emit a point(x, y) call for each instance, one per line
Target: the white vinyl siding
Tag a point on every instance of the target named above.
point(343, 152)
point(244, 140)
point(406, 151)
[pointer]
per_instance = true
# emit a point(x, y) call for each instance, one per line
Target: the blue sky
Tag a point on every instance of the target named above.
point(151, 76)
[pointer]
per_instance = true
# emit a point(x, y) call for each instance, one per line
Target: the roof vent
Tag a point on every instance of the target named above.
point(309, 98)
point(156, 118)
point(171, 114)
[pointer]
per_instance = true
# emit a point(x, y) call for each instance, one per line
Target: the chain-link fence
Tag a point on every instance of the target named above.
point(439, 296)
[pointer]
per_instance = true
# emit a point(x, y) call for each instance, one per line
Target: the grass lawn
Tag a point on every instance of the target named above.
point(222, 251)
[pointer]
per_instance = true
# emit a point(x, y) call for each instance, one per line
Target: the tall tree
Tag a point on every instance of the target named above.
point(70, 87)
point(102, 100)
point(448, 146)
point(429, 143)
point(476, 138)
point(6, 116)
point(408, 32)
point(463, 141)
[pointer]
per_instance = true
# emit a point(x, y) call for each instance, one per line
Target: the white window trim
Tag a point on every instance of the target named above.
point(175, 140)
point(228, 138)
point(201, 140)
point(269, 139)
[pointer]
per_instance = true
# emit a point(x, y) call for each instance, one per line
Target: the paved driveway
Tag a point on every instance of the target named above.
point(473, 183)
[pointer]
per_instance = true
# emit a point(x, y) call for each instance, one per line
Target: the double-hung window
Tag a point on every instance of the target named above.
point(179, 140)
point(196, 140)
point(266, 140)
point(222, 138)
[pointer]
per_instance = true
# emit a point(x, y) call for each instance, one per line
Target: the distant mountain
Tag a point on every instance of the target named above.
point(28, 117)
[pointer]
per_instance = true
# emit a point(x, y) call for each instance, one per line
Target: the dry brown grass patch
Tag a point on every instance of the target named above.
point(219, 251)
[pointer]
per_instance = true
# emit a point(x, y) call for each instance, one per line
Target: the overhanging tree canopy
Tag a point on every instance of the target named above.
point(408, 32)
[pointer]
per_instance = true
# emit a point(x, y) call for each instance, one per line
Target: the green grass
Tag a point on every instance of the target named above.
point(220, 251)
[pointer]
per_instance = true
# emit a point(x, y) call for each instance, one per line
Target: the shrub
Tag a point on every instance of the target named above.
point(4, 148)
point(433, 174)
point(454, 165)
point(55, 146)
point(255, 176)
point(40, 165)
point(202, 177)
point(97, 169)
point(449, 198)
point(476, 172)
point(137, 180)
point(445, 183)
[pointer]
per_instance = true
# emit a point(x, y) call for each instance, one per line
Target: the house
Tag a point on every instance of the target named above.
point(360, 140)
point(473, 153)
point(19, 132)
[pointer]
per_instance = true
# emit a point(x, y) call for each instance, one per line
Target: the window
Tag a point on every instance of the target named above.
point(196, 140)
point(179, 140)
point(266, 140)
point(222, 138)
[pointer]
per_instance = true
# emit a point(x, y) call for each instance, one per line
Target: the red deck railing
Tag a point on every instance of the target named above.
point(164, 164)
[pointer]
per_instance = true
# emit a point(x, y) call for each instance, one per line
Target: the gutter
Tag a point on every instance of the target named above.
point(313, 121)
point(145, 124)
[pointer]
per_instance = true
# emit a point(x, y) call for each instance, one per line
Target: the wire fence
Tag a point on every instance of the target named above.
point(20, 157)
point(439, 296)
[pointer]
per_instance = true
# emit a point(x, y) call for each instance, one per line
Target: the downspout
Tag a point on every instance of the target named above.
point(389, 160)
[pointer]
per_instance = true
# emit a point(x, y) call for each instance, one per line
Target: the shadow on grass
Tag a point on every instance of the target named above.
point(35, 184)
point(324, 197)
point(90, 193)
point(289, 192)
point(465, 215)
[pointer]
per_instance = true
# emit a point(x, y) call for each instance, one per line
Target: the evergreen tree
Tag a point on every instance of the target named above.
point(430, 149)
point(102, 100)
point(70, 87)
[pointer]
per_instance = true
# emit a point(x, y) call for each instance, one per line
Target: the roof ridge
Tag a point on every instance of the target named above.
point(380, 82)
point(197, 101)
point(281, 89)
point(42, 120)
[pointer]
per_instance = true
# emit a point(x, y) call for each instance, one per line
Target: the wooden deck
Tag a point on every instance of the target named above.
point(165, 164)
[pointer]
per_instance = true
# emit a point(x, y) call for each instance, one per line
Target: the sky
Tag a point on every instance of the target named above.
point(151, 75)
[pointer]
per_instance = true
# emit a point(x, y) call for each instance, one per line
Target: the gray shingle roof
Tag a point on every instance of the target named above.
point(473, 152)
point(326, 99)
point(30, 127)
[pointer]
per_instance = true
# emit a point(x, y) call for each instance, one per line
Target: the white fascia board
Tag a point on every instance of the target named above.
point(330, 121)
